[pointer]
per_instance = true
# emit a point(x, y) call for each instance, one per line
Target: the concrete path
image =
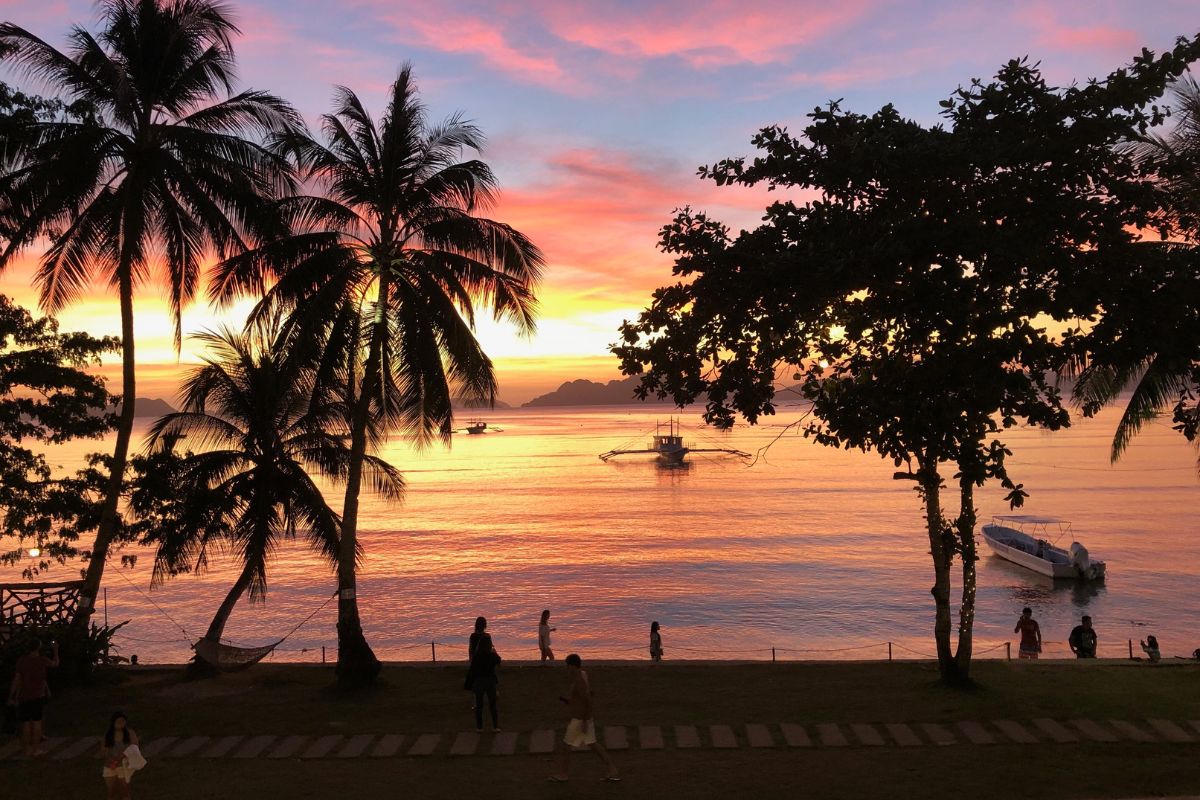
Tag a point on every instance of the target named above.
point(543, 742)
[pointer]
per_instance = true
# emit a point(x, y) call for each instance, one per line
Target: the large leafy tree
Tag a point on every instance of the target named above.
point(262, 431)
point(1148, 343)
point(910, 299)
point(47, 397)
point(384, 270)
point(172, 167)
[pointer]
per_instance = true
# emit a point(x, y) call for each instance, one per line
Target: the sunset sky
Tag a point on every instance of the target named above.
point(598, 114)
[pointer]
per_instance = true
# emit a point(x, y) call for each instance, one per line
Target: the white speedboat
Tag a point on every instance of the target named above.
point(1024, 540)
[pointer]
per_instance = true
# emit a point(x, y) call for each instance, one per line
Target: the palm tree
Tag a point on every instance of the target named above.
point(262, 432)
point(1148, 337)
point(385, 270)
point(173, 167)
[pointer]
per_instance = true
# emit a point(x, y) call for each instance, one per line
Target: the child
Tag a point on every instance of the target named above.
point(656, 649)
point(1150, 647)
point(117, 773)
point(544, 631)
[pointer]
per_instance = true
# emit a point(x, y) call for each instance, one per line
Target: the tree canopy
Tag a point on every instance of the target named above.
point(923, 297)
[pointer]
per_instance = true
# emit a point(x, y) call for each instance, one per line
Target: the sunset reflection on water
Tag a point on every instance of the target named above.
point(810, 550)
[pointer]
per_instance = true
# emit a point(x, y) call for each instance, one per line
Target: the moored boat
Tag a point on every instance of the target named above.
point(1023, 540)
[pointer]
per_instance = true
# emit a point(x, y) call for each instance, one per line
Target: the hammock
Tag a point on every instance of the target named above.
point(228, 657)
point(231, 658)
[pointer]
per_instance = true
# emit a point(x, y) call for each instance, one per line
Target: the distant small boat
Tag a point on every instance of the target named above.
point(1021, 539)
point(669, 447)
point(477, 427)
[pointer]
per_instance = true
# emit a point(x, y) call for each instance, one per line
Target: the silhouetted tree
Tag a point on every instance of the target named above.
point(385, 271)
point(174, 167)
point(909, 297)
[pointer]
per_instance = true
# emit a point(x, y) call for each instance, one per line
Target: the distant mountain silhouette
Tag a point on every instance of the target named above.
point(589, 393)
point(149, 407)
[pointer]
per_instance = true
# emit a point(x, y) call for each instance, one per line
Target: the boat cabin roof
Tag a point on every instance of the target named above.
point(1031, 519)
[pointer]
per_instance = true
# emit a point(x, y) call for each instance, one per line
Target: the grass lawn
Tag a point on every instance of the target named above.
point(286, 699)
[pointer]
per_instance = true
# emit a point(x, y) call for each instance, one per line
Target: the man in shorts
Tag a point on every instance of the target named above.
point(581, 730)
point(1031, 634)
point(29, 691)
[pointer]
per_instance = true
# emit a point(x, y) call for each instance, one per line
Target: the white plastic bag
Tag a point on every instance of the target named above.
point(134, 758)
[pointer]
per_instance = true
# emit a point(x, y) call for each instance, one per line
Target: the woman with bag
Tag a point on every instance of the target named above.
point(121, 757)
point(481, 674)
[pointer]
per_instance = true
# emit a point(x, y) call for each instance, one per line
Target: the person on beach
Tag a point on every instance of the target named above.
point(544, 631)
point(1031, 635)
point(1083, 639)
point(656, 650)
point(1150, 648)
point(481, 674)
point(29, 691)
point(581, 730)
point(117, 772)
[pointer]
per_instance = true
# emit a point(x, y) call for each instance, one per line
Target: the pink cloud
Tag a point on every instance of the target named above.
point(1055, 34)
point(709, 33)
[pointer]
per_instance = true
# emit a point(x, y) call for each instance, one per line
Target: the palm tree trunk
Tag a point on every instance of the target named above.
point(109, 515)
point(942, 554)
point(357, 665)
point(216, 628)
point(966, 611)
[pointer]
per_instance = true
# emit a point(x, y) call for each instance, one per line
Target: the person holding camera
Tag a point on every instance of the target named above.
point(29, 692)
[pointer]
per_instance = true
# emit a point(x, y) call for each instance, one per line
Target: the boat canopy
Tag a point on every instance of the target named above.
point(1030, 519)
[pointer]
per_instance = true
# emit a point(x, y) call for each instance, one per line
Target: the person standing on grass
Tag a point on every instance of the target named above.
point(117, 772)
point(1031, 635)
point(656, 650)
point(581, 730)
point(29, 691)
point(481, 675)
point(544, 631)
point(1083, 639)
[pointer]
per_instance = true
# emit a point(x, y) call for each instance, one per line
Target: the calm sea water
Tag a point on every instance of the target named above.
point(812, 551)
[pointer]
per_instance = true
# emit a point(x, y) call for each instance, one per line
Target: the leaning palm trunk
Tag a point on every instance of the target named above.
point(357, 665)
point(110, 520)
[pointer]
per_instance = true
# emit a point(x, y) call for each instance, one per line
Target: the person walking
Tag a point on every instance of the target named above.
point(1083, 639)
point(29, 691)
point(117, 771)
point(1031, 635)
point(481, 674)
point(656, 649)
point(544, 631)
point(581, 730)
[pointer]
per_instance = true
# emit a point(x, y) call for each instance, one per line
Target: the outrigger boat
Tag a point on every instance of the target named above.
point(1022, 539)
point(669, 446)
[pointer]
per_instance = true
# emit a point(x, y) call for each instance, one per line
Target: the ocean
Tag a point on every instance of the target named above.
point(806, 553)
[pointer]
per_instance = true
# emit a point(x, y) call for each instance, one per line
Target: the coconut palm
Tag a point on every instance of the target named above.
point(261, 433)
point(1147, 342)
point(173, 167)
point(385, 270)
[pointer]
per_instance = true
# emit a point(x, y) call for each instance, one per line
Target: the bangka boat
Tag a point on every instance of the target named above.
point(669, 446)
point(477, 427)
point(1023, 540)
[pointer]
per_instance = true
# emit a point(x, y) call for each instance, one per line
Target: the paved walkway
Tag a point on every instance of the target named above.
point(643, 737)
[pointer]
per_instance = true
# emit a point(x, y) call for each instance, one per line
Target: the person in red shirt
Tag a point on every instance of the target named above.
point(29, 691)
point(1031, 635)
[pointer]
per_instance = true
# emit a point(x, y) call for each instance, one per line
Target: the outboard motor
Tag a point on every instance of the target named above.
point(1087, 568)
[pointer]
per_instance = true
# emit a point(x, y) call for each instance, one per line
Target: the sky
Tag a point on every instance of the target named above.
point(599, 113)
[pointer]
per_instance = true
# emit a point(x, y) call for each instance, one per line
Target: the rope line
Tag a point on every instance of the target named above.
point(187, 636)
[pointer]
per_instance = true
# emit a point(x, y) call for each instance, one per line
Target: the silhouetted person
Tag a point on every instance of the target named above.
point(581, 730)
point(1031, 635)
point(29, 691)
point(656, 649)
point(481, 675)
point(1083, 639)
point(117, 772)
point(544, 631)
point(1150, 648)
